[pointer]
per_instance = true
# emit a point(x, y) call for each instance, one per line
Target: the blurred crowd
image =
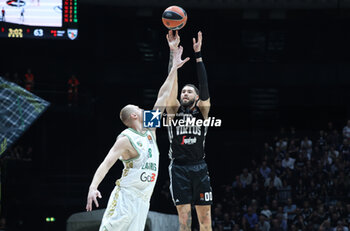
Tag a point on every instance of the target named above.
point(301, 183)
point(19, 152)
point(27, 81)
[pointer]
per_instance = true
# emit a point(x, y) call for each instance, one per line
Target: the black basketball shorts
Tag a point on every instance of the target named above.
point(190, 184)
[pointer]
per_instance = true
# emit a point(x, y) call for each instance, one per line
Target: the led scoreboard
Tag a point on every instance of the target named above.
point(39, 19)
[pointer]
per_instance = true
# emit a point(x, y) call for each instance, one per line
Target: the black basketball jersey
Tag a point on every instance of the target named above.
point(187, 142)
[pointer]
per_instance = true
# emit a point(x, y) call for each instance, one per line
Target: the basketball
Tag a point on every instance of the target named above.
point(174, 18)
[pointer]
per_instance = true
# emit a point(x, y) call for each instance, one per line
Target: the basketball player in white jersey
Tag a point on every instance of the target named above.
point(128, 204)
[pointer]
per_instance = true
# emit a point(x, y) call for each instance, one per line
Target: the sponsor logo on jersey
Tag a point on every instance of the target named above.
point(188, 140)
point(150, 139)
point(150, 166)
point(148, 177)
point(193, 130)
point(139, 143)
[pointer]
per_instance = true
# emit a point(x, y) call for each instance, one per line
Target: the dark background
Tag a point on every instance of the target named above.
point(267, 67)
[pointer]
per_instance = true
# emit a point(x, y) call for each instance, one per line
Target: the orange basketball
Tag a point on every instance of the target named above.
point(174, 17)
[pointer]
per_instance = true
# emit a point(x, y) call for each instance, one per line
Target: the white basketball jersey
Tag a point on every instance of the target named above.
point(141, 173)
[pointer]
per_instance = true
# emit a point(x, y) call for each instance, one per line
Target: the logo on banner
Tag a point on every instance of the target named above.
point(16, 3)
point(72, 33)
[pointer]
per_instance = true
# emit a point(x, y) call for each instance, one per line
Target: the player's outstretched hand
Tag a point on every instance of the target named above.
point(173, 41)
point(197, 45)
point(92, 196)
point(178, 62)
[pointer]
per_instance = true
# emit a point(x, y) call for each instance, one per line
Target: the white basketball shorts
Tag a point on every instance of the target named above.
point(127, 210)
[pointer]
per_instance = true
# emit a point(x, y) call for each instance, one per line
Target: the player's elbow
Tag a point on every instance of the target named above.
point(163, 99)
point(108, 163)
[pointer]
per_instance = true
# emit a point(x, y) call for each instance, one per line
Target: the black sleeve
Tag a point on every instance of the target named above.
point(203, 81)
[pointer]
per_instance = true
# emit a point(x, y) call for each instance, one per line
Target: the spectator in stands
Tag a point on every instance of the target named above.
point(333, 153)
point(249, 220)
point(279, 154)
point(333, 138)
point(327, 159)
point(29, 80)
point(246, 178)
point(322, 138)
point(237, 228)
point(306, 144)
point(347, 217)
point(346, 131)
point(340, 227)
point(73, 84)
point(265, 170)
point(290, 209)
point(266, 211)
point(228, 223)
point(293, 147)
point(319, 185)
point(237, 184)
point(275, 180)
point(276, 224)
point(285, 192)
point(300, 161)
point(268, 150)
point(270, 191)
point(282, 144)
point(306, 211)
point(217, 219)
point(326, 226)
point(263, 224)
point(300, 191)
point(317, 153)
point(344, 149)
point(274, 207)
point(288, 162)
point(279, 170)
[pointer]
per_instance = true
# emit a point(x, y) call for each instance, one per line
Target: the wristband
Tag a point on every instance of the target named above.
point(198, 54)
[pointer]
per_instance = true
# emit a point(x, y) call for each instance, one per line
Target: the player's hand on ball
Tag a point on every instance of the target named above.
point(92, 196)
point(173, 41)
point(178, 62)
point(197, 45)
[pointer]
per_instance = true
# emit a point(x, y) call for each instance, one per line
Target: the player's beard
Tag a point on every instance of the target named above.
point(188, 103)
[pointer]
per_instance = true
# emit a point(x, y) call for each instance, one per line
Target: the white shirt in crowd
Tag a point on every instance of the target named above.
point(288, 163)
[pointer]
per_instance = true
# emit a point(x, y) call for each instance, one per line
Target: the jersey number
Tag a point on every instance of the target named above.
point(208, 196)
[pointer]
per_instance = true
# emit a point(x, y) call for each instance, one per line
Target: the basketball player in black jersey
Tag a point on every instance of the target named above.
point(189, 178)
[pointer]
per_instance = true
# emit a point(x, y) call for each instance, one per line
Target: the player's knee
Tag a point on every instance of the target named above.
point(204, 217)
point(185, 217)
point(205, 220)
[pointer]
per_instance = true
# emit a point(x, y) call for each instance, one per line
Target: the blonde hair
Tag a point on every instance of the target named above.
point(125, 114)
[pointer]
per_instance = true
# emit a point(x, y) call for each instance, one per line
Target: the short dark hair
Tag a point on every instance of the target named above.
point(194, 87)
